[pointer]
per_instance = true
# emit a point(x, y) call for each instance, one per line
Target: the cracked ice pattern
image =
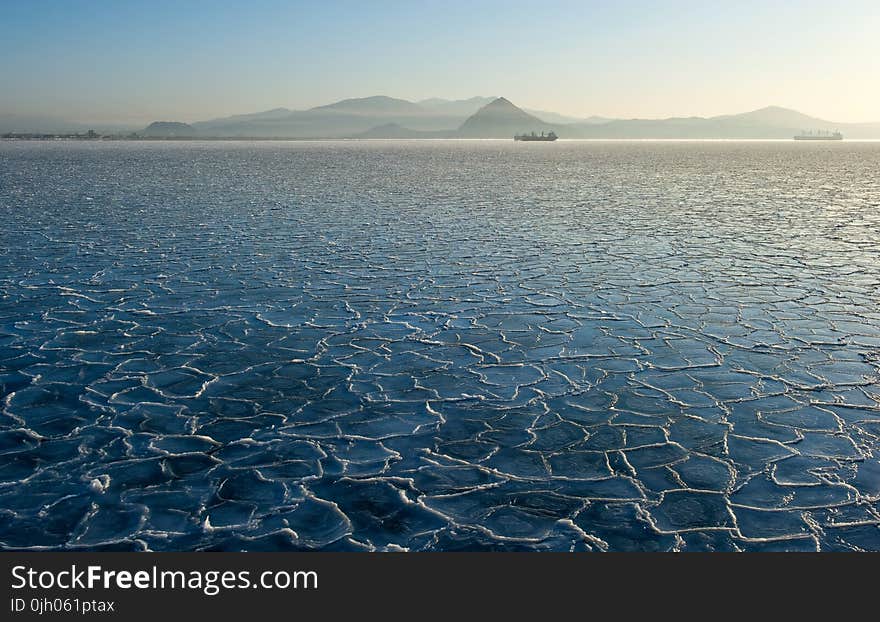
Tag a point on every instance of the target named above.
point(463, 345)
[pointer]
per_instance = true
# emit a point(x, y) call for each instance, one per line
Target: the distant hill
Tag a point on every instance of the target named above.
point(500, 119)
point(595, 120)
point(770, 122)
point(169, 129)
point(370, 106)
point(274, 113)
point(555, 117)
point(771, 116)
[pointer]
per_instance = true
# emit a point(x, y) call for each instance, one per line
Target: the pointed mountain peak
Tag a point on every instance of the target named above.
point(500, 102)
point(500, 118)
point(777, 116)
point(503, 107)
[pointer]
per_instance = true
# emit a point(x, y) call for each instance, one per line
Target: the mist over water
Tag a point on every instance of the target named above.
point(440, 346)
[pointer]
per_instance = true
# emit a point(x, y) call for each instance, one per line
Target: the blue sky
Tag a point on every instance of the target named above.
point(132, 61)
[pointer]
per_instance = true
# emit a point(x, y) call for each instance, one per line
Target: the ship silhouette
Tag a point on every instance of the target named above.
point(550, 136)
point(819, 135)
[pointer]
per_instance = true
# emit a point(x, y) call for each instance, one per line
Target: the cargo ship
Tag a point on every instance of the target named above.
point(819, 136)
point(550, 136)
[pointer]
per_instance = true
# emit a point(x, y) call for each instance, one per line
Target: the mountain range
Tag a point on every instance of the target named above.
point(492, 117)
point(477, 117)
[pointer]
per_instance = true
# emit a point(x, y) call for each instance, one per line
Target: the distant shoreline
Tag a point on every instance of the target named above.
point(193, 139)
point(386, 118)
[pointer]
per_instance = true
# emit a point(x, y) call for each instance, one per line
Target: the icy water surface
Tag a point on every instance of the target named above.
point(440, 346)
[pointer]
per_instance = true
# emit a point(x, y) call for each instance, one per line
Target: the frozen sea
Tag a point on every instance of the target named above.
point(440, 345)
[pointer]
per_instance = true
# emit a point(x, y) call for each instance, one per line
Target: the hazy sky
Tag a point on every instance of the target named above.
point(133, 61)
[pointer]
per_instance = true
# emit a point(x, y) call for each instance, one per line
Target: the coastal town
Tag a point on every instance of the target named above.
point(90, 135)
